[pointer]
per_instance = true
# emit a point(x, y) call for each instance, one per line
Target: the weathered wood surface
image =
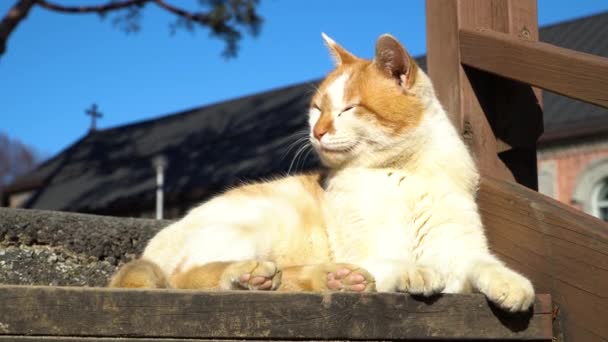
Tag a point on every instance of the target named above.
point(567, 72)
point(494, 115)
point(13, 338)
point(96, 312)
point(562, 250)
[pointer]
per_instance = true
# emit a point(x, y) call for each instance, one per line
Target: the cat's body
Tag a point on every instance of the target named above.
point(398, 201)
point(267, 221)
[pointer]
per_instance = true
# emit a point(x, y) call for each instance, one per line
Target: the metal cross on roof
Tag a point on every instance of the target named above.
point(94, 114)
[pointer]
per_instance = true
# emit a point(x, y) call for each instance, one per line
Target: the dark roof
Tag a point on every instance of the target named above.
point(207, 149)
point(565, 117)
point(219, 145)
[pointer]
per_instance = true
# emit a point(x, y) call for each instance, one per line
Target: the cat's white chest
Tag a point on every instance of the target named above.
point(371, 214)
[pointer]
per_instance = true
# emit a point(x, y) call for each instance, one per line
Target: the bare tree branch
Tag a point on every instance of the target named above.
point(200, 17)
point(225, 18)
point(10, 21)
point(111, 6)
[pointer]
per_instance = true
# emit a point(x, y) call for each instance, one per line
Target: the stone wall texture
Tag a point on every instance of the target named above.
point(56, 248)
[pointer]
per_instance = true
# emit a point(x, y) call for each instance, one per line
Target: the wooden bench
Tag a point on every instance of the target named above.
point(95, 314)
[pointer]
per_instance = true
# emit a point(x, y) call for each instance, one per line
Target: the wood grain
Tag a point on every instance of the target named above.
point(562, 250)
point(56, 311)
point(492, 113)
point(567, 72)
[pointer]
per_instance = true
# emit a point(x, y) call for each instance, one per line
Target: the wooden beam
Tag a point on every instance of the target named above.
point(14, 338)
point(96, 312)
point(567, 72)
point(562, 250)
point(493, 114)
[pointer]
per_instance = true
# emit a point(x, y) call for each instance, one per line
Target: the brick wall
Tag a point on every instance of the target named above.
point(561, 167)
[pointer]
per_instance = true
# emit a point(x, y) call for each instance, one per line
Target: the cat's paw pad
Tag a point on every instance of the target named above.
point(423, 281)
point(258, 275)
point(511, 292)
point(345, 277)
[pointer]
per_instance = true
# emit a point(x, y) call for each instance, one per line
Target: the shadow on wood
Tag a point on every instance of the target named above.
point(562, 250)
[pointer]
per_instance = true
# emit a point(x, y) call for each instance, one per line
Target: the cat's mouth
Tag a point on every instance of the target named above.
point(341, 148)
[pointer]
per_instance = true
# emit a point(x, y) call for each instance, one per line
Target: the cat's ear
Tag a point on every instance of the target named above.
point(339, 54)
point(392, 59)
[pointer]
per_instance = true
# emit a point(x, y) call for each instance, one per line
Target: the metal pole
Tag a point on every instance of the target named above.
point(160, 164)
point(160, 180)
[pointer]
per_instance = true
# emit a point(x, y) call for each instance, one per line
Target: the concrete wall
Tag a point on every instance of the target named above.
point(55, 248)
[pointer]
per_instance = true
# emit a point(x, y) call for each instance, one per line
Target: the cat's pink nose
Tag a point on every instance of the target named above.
point(319, 132)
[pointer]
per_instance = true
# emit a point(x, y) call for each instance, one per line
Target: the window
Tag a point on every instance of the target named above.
point(600, 200)
point(591, 190)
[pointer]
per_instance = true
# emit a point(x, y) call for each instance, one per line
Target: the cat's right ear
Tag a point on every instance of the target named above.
point(392, 59)
point(339, 54)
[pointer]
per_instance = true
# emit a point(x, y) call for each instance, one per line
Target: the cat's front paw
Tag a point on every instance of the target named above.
point(507, 289)
point(421, 280)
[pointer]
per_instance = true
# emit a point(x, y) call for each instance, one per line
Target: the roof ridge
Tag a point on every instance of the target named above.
point(195, 109)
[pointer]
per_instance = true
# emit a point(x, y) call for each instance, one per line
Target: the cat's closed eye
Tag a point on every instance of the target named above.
point(347, 109)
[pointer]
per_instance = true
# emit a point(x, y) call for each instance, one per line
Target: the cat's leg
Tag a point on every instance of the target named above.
point(238, 275)
point(405, 276)
point(420, 280)
point(327, 277)
point(139, 273)
point(461, 255)
point(503, 286)
point(467, 265)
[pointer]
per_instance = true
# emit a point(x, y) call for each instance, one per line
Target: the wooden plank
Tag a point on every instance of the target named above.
point(512, 110)
point(562, 250)
point(15, 338)
point(135, 339)
point(95, 312)
point(443, 56)
point(493, 114)
point(567, 72)
point(453, 87)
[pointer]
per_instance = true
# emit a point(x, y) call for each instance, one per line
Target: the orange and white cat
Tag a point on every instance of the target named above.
point(395, 212)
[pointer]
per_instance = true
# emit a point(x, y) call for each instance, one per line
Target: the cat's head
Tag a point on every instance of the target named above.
point(364, 108)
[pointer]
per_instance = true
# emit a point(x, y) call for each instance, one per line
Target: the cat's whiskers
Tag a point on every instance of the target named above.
point(302, 139)
point(300, 162)
point(307, 153)
point(294, 144)
point(300, 150)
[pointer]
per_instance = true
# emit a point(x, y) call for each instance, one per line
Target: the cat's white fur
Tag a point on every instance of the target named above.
point(431, 195)
point(402, 206)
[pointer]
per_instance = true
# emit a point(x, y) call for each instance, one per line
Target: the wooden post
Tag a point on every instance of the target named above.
point(499, 119)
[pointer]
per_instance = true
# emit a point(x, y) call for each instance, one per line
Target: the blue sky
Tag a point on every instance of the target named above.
point(57, 65)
